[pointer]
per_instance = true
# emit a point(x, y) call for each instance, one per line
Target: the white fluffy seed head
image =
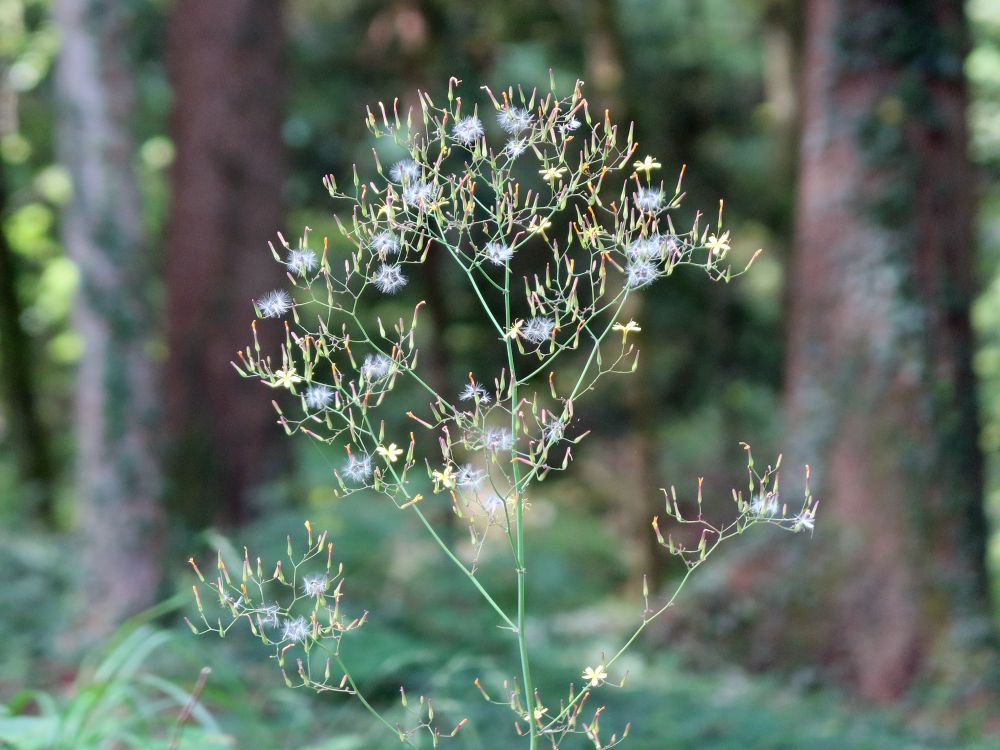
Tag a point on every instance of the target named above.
point(467, 130)
point(384, 243)
point(514, 119)
point(639, 273)
point(497, 253)
point(389, 278)
point(301, 262)
point(274, 304)
point(318, 396)
point(405, 171)
point(537, 329)
point(358, 467)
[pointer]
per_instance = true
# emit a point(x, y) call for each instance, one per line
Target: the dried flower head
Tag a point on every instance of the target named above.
point(498, 439)
point(267, 616)
point(514, 119)
point(515, 147)
point(274, 304)
point(475, 392)
point(389, 278)
point(468, 130)
point(497, 253)
point(420, 195)
point(640, 272)
point(538, 329)
point(570, 125)
point(384, 243)
point(553, 432)
point(646, 248)
point(375, 367)
point(404, 171)
point(295, 630)
point(301, 262)
point(318, 396)
point(358, 467)
point(649, 199)
point(314, 585)
point(466, 476)
point(766, 506)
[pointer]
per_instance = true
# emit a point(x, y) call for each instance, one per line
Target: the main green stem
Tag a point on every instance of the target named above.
point(519, 554)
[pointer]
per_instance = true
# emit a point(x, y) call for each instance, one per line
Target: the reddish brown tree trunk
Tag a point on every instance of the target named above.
point(226, 66)
point(880, 393)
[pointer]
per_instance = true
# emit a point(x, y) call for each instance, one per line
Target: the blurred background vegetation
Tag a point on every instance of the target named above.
point(149, 151)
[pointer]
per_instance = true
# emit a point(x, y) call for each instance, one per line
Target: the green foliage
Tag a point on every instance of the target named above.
point(115, 701)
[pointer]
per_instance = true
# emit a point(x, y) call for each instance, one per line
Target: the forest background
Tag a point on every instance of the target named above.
point(149, 151)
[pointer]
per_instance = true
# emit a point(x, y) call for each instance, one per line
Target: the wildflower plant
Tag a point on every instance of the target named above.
point(553, 223)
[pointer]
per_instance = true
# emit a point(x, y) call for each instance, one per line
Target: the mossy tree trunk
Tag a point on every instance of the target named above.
point(226, 64)
point(880, 394)
point(118, 474)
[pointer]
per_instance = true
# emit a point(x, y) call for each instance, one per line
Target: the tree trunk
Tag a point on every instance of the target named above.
point(226, 66)
point(117, 471)
point(880, 394)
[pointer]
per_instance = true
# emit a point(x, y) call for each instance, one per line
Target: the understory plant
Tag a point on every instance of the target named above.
point(554, 224)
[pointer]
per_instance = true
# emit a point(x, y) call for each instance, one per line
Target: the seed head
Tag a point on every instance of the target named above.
point(405, 171)
point(419, 194)
point(538, 329)
point(466, 476)
point(375, 367)
point(649, 199)
point(389, 279)
point(570, 125)
point(468, 130)
point(764, 507)
point(384, 243)
point(314, 585)
point(358, 467)
point(515, 147)
point(274, 304)
point(553, 431)
point(498, 439)
point(474, 392)
point(295, 630)
point(301, 262)
point(514, 119)
point(639, 273)
point(497, 253)
point(318, 396)
point(267, 616)
point(646, 248)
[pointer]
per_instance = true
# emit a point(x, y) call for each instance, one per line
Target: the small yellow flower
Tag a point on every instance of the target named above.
point(515, 330)
point(718, 245)
point(552, 173)
point(590, 234)
point(595, 675)
point(539, 226)
point(626, 329)
point(647, 165)
point(444, 478)
point(286, 378)
point(390, 454)
point(539, 712)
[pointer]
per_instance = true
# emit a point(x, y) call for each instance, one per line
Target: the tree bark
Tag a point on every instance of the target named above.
point(117, 470)
point(880, 394)
point(226, 66)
